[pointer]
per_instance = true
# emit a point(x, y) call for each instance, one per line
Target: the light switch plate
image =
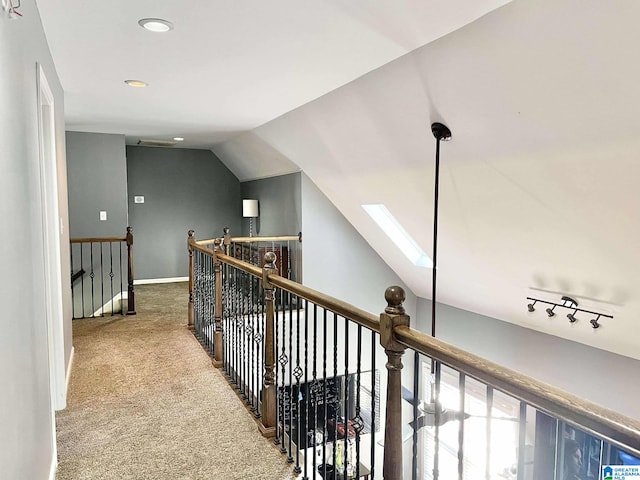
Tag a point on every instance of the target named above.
point(138, 199)
point(103, 215)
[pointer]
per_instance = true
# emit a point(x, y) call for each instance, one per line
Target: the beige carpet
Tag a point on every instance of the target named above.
point(146, 403)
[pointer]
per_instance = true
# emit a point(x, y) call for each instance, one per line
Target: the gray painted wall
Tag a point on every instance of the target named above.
point(279, 202)
point(26, 429)
point(596, 375)
point(183, 189)
point(97, 176)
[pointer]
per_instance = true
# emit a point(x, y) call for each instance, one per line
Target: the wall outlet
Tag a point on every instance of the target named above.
point(103, 216)
point(138, 199)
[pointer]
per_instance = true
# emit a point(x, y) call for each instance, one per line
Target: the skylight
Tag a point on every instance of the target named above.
point(398, 235)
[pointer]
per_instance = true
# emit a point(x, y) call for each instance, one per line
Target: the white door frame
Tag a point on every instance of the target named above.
point(51, 241)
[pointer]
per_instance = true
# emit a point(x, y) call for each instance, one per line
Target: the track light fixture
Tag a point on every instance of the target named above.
point(570, 303)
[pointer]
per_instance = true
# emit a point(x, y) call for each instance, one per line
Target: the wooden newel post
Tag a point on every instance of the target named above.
point(392, 317)
point(218, 358)
point(131, 295)
point(227, 240)
point(190, 242)
point(269, 397)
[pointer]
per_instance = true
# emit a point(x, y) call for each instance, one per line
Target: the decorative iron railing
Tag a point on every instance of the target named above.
point(309, 369)
point(98, 285)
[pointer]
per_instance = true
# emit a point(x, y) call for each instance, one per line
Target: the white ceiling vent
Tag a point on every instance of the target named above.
point(157, 143)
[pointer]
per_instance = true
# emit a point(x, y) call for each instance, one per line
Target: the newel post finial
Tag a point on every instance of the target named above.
point(395, 297)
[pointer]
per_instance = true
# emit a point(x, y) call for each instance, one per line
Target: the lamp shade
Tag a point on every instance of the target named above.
point(249, 208)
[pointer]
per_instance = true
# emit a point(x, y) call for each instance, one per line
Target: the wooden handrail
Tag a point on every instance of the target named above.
point(612, 426)
point(283, 238)
point(97, 239)
point(344, 309)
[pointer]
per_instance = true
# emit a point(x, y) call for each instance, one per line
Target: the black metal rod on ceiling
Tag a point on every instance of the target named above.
point(440, 132)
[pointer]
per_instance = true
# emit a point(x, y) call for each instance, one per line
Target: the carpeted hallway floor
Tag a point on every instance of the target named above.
point(146, 403)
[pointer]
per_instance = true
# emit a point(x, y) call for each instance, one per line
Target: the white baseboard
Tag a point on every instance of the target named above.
point(73, 350)
point(146, 281)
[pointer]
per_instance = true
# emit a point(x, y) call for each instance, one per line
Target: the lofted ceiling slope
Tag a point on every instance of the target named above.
point(539, 184)
point(226, 67)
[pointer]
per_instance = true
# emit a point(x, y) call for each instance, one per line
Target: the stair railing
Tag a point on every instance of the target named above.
point(97, 265)
point(296, 357)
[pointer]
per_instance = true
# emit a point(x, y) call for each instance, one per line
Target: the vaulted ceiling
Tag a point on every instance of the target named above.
point(538, 192)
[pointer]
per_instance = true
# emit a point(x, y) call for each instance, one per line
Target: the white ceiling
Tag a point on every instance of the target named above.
point(228, 66)
point(539, 190)
point(539, 187)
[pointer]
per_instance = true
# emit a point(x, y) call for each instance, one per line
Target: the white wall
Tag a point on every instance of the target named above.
point(596, 375)
point(26, 436)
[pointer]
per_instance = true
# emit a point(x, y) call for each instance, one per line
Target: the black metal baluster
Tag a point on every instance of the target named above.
point(196, 295)
point(306, 382)
point(416, 372)
point(314, 388)
point(346, 398)
point(283, 364)
point(373, 403)
point(111, 274)
point(122, 310)
point(210, 304)
point(82, 278)
point(335, 379)
point(92, 276)
point(297, 373)
point(225, 318)
point(73, 299)
point(252, 347)
point(278, 301)
point(290, 457)
point(259, 338)
point(358, 423)
point(102, 286)
point(324, 391)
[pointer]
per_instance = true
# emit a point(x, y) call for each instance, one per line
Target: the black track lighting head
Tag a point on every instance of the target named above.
point(440, 131)
point(531, 306)
point(550, 311)
point(594, 322)
point(572, 316)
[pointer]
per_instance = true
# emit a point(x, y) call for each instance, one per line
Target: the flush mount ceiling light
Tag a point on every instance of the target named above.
point(156, 25)
point(178, 139)
point(571, 304)
point(136, 83)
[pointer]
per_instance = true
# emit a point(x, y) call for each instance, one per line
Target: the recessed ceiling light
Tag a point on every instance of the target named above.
point(178, 139)
point(136, 83)
point(157, 25)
